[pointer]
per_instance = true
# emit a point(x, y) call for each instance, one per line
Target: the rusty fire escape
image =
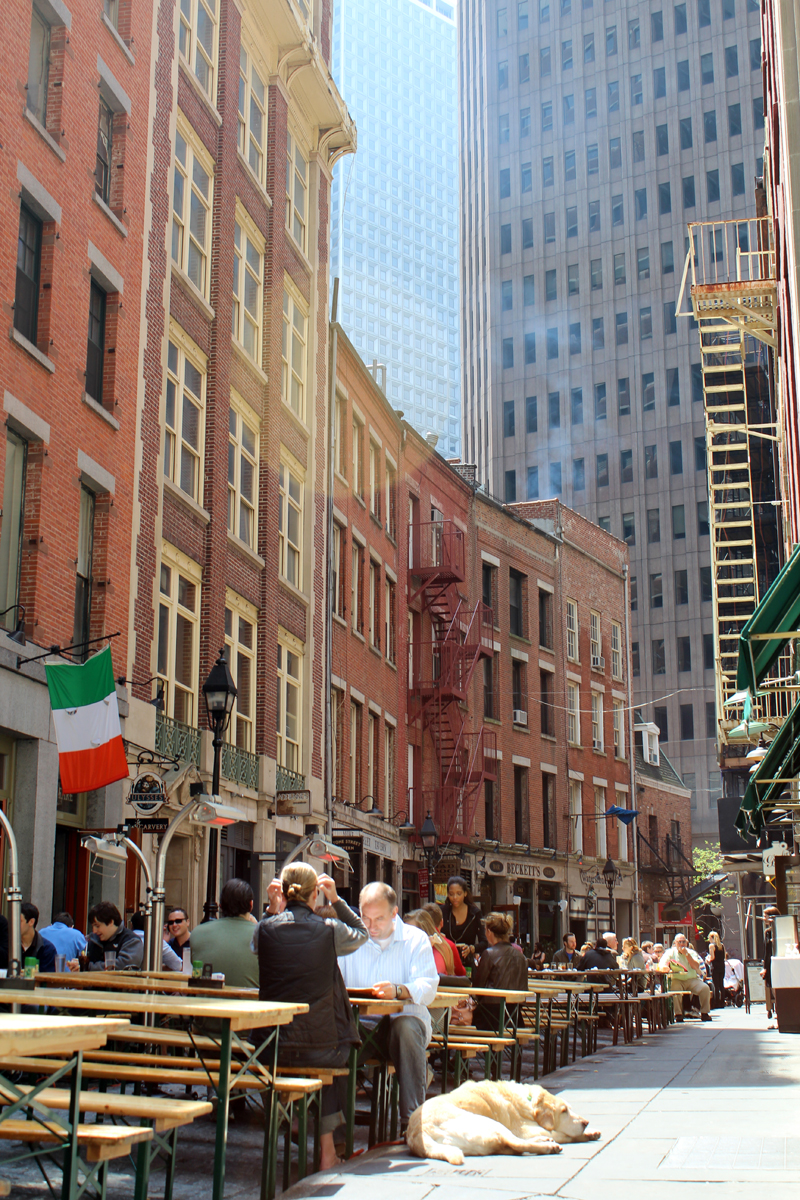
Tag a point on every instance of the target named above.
point(441, 666)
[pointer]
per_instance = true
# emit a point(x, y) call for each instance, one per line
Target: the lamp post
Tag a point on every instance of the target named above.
point(219, 692)
point(611, 877)
point(429, 836)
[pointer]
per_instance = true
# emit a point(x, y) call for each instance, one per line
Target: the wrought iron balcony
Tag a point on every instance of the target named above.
point(239, 765)
point(289, 781)
point(176, 740)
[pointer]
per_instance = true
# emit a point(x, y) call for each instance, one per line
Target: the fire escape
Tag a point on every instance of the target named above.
point(734, 297)
point(442, 663)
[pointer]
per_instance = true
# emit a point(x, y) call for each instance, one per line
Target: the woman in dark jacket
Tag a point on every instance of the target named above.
point(502, 966)
point(462, 920)
point(297, 961)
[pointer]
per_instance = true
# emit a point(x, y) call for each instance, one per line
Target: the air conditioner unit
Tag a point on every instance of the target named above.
point(520, 716)
point(596, 745)
point(598, 664)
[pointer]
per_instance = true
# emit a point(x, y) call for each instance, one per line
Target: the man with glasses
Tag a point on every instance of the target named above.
point(684, 967)
point(178, 930)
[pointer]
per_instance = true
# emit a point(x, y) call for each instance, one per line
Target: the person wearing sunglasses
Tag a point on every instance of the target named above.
point(178, 931)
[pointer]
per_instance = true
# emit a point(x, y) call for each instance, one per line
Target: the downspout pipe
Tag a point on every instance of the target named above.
point(632, 757)
point(329, 597)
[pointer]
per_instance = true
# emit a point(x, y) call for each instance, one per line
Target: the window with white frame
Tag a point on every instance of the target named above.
point(192, 191)
point(337, 551)
point(197, 40)
point(600, 821)
point(597, 720)
point(389, 768)
point(248, 274)
point(241, 621)
point(354, 783)
point(576, 816)
point(616, 650)
point(572, 630)
point(288, 711)
point(374, 479)
point(184, 407)
point(243, 474)
point(296, 191)
point(358, 470)
point(390, 484)
point(356, 585)
point(618, 712)
point(372, 758)
point(337, 711)
point(622, 829)
point(389, 621)
point(341, 413)
point(290, 525)
point(293, 355)
point(252, 114)
point(573, 714)
point(178, 634)
point(595, 643)
point(374, 603)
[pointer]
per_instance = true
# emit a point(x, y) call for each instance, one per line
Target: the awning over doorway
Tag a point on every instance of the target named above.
point(779, 766)
point(778, 613)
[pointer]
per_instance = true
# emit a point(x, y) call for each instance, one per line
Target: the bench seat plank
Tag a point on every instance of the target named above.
point(98, 1142)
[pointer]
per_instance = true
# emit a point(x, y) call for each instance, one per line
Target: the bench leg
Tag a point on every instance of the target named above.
point(302, 1133)
point(69, 1182)
point(350, 1108)
point(269, 1157)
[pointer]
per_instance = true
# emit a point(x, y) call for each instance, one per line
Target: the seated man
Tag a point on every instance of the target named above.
point(225, 944)
point(397, 963)
point(67, 940)
point(169, 959)
point(33, 945)
point(110, 933)
point(568, 955)
point(685, 967)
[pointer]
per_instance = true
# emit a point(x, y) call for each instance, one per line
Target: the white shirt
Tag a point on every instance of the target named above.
point(406, 960)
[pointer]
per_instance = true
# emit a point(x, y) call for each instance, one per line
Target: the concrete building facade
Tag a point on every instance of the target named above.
point(590, 135)
point(394, 218)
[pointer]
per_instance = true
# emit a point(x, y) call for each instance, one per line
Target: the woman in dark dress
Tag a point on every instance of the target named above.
point(502, 967)
point(462, 920)
point(716, 965)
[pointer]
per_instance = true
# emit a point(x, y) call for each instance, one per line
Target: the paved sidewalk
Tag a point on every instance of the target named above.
point(698, 1110)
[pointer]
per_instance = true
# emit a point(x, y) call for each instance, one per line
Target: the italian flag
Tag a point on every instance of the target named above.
point(86, 717)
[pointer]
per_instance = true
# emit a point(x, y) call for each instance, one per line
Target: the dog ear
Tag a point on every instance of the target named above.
point(543, 1115)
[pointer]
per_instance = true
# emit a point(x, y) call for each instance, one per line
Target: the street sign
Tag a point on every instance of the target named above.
point(423, 882)
point(148, 824)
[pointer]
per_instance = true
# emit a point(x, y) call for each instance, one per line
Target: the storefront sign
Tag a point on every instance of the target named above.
point(293, 804)
point(423, 883)
point(353, 840)
point(148, 794)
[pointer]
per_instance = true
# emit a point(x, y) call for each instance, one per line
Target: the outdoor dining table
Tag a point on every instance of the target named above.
point(234, 1016)
point(132, 981)
point(30, 1035)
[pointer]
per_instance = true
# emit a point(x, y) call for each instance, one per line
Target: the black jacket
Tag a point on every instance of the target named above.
point(604, 959)
point(502, 967)
point(129, 948)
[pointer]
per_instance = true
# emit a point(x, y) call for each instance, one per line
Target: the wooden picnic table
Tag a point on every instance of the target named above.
point(124, 981)
point(31, 1034)
point(234, 1016)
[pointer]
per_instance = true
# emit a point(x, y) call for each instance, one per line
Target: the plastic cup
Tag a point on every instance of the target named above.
point(110, 959)
point(61, 962)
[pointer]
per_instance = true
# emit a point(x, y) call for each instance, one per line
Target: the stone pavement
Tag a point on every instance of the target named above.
point(698, 1110)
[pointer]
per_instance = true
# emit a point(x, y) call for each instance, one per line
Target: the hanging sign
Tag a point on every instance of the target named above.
point(148, 794)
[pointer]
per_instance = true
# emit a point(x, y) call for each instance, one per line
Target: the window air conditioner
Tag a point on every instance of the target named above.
point(520, 716)
point(596, 745)
point(598, 664)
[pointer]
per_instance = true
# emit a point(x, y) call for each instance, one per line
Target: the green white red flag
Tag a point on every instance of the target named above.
point(86, 717)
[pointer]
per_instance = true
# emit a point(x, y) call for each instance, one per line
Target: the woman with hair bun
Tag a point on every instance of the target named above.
point(461, 920)
point(297, 952)
point(502, 966)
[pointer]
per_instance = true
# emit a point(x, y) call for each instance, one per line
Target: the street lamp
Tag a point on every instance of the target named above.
point(611, 877)
point(219, 692)
point(429, 836)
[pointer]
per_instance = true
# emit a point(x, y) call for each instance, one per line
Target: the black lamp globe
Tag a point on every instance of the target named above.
point(429, 834)
point(219, 692)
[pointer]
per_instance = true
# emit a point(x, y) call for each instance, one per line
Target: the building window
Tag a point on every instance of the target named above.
point(11, 526)
point(373, 610)
point(531, 421)
point(572, 630)
point(576, 816)
point(708, 652)
point(555, 478)
point(516, 602)
point(658, 657)
point(355, 753)
point(247, 289)
point(546, 689)
point(656, 590)
point(508, 418)
point(687, 722)
point(520, 805)
point(389, 621)
point(338, 552)
point(712, 186)
point(602, 470)
point(511, 487)
point(38, 68)
point(243, 480)
point(105, 140)
point(288, 709)
point(653, 526)
point(81, 629)
point(530, 348)
point(681, 587)
point(651, 462)
point(293, 356)
point(590, 103)
point(375, 479)
point(648, 392)
point(390, 493)
point(622, 328)
point(183, 419)
point(629, 521)
point(597, 721)
point(635, 667)
point(595, 640)
point(505, 237)
point(545, 619)
point(502, 75)
point(573, 714)
point(549, 827)
point(578, 475)
point(95, 346)
point(636, 89)
point(659, 83)
point(519, 692)
point(191, 209)
point(618, 713)
point(616, 650)
point(356, 587)
point(197, 38)
point(178, 628)
point(358, 456)
point(296, 191)
point(684, 648)
point(29, 266)
point(576, 405)
point(702, 518)
point(533, 483)
point(553, 408)
point(705, 584)
point(731, 62)
point(575, 338)
point(241, 621)
point(252, 115)
point(290, 525)
point(623, 397)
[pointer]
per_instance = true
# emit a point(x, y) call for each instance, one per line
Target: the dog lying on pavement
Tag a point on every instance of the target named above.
point(494, 1118)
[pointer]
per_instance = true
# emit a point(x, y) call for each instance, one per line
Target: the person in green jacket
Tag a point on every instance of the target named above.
point(225, 944)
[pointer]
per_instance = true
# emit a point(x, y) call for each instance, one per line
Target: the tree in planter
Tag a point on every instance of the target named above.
point(707, 861)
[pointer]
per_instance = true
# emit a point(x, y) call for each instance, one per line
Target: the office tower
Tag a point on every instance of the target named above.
point(394, 224)
point(591, 133)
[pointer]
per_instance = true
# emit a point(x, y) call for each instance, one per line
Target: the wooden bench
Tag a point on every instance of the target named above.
point(96, 1145)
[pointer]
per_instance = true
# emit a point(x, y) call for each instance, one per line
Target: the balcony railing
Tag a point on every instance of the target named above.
point(437, 549)
point(289, 781)
point(176, 740)
point(239, 765)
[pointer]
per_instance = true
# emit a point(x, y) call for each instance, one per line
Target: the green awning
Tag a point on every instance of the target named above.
point(780, 764)
point(779, 611)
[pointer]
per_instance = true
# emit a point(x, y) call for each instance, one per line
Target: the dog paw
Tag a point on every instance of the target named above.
point(550, 1147)
point(592, 1135)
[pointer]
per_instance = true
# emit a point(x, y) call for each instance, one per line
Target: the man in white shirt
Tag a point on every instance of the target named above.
point(397, 963)
point(685, 967)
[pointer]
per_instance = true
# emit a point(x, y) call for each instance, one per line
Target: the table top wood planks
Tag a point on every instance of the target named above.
point(30, 1034)
point(164, 983)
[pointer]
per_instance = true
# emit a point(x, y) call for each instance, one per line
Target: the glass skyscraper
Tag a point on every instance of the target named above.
point(394, 224)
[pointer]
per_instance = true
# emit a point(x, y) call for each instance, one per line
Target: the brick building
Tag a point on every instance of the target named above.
point(75, 106)
point(230, 511)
